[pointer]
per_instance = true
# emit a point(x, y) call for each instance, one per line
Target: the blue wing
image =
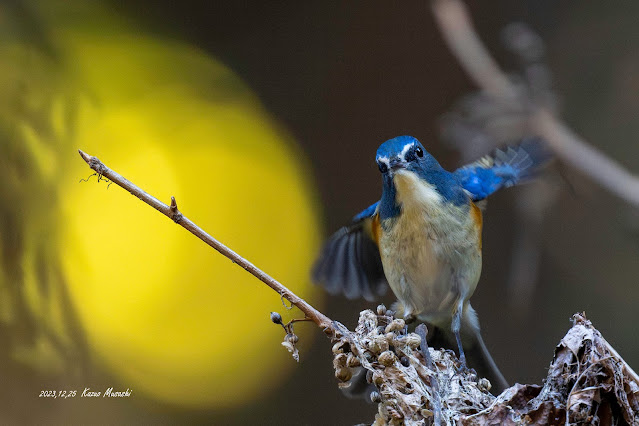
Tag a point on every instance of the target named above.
point(350, 262)
point(504, 168)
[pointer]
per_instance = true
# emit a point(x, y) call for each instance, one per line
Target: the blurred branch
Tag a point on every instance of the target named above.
point(458, 32)
point(174, 214)
point(456, 26)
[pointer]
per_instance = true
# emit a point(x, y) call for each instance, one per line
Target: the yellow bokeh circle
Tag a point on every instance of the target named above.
point(170, 317)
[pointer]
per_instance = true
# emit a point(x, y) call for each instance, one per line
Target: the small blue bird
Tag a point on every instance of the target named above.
point(423, 238)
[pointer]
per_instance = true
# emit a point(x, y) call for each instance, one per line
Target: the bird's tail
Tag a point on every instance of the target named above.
point(477, 355)
point(479, 358)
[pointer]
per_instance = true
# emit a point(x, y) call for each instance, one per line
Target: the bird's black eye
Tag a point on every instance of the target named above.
point(419, 151)
point(382, 167)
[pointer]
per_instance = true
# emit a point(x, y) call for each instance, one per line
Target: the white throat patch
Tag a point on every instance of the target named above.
point(415, 192)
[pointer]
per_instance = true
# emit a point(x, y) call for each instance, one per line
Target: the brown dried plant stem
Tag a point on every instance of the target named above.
point(457, 30)
point(174, 214)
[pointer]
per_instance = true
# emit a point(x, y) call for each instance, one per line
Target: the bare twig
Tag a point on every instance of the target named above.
point(174, 214)
point(457, 29)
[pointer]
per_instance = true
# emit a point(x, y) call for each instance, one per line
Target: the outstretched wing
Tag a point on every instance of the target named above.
point(350, 262)
point(504, 168)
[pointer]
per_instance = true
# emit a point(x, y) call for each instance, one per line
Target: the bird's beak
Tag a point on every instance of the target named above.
point(396, 163)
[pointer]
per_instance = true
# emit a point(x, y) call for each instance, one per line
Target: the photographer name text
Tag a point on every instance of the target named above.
point(86, 393)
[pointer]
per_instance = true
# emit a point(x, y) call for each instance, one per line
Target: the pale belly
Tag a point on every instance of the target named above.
point(432, 262)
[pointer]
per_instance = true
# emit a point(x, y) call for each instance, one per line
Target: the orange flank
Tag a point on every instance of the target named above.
point(376, 229)
point(475, 213)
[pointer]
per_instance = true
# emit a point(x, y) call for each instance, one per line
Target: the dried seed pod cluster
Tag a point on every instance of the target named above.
point(394, 365)
point(290, 339)
point(289, 343)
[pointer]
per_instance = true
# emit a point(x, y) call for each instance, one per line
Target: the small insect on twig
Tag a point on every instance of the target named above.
point(100, 178)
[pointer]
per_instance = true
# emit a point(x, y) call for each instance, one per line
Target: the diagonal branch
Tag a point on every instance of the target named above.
point(457, 29)
point(174, 214)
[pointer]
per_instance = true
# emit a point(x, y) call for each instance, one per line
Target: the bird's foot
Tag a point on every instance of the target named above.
point(466, 371)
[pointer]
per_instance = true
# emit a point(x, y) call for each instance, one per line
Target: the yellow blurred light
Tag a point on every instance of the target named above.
point(168, 315)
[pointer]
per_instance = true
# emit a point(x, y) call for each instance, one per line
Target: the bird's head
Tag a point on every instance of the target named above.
point(405, 153)
point(411, 175)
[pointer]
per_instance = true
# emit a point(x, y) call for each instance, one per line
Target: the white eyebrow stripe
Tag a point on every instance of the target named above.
point(407, 147)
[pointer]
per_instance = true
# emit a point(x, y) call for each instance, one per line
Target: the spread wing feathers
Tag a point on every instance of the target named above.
point(350, 262)
point(508, 167)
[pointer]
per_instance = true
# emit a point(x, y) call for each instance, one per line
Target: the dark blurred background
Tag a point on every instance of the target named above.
point(342, 77)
